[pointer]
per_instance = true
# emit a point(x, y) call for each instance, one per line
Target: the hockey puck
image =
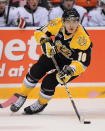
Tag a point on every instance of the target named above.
point(87, 122)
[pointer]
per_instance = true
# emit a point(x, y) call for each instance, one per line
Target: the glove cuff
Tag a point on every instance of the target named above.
point(44, 40)
point(69, 70)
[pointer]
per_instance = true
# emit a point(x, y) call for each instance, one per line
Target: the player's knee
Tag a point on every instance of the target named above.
point(29, 81)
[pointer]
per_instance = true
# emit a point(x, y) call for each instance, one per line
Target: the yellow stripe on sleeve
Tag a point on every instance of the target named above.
point(79, 67)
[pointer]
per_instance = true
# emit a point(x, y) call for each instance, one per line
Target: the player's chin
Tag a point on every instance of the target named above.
point(71, 31)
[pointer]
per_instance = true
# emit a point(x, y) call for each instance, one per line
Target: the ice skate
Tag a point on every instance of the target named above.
point(18, 104)
point(35, 108)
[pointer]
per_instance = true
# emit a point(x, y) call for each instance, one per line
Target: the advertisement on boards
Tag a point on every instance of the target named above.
point(18, 51)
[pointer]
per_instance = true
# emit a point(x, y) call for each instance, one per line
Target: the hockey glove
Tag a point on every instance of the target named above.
point(65, 75)
point(48, 47)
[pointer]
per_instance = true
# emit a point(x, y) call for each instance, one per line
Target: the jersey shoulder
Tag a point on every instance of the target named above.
point(55, 25)
point(95, 11)
point(21, 10)
point(13, 11)
point(55, 22)
point(81, 39)
point(56, 9)
point(42, 9)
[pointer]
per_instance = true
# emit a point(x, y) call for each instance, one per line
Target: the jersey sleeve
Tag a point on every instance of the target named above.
point(81, 60)
point(81, 56)
point(51, 29)
point(54, 26)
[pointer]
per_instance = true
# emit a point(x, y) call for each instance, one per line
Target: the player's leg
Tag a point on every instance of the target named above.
point(37, 71)
point(46, 93)
point(28, 84)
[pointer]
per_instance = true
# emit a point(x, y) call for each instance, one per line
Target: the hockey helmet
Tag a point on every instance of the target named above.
point(71, 14)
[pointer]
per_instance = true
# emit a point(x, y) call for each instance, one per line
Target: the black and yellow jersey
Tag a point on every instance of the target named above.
point(73, 49)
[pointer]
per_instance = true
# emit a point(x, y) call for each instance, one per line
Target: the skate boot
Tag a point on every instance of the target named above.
point(18, 104)
point(35, 108)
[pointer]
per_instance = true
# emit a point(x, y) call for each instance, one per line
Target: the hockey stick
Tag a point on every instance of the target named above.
point(9, 101)
point(70, 96)
point(95, 94)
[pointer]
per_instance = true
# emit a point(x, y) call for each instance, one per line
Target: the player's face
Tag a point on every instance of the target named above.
point(68, 4)
point(33, 4)
point(2, 6)
point(71, 25)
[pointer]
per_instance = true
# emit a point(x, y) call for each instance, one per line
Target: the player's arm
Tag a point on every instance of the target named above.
point(81, 60)
point(81, 55)
point(44, 35)
point(49, 30)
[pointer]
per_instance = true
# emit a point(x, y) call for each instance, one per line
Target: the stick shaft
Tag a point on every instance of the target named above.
point(73, 103)
point(67, 90)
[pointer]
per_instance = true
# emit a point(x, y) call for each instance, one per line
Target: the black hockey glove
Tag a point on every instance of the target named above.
point(48, 47)
point(65, 75)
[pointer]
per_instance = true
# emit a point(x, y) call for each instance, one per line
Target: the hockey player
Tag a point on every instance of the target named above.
point(32, 14)
point(72, 51)
point(97, 15)
point(4, 15)
point(67, 4)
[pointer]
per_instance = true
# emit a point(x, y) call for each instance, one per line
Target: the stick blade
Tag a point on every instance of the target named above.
point(9, 101)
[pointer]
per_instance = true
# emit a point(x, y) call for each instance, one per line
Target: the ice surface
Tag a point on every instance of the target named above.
point(57, 116)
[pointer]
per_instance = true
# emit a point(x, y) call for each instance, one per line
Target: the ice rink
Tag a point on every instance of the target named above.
point(57, 116)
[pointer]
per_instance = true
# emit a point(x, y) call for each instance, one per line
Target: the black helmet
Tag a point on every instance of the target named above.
point(71, 14)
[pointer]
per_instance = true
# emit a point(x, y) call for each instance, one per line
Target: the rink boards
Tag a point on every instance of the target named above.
point(18, 51)
point(78, 90)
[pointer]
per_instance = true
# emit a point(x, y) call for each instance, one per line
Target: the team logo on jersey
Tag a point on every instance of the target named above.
point(63, 49)
point(82, 40)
